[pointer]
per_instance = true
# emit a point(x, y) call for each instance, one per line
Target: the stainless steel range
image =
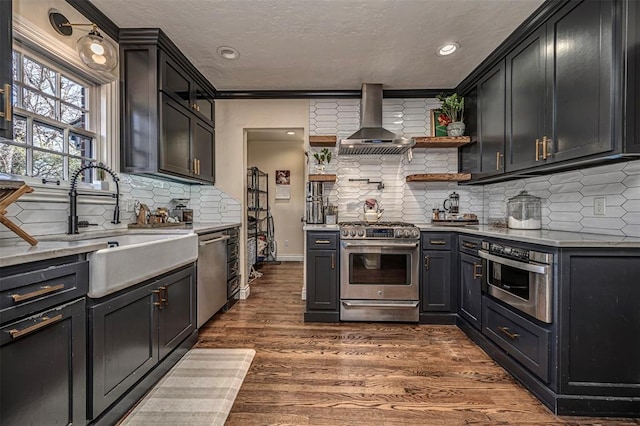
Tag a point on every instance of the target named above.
point(379, 271)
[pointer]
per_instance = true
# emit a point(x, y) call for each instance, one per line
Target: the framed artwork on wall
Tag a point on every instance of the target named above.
point(439, 122)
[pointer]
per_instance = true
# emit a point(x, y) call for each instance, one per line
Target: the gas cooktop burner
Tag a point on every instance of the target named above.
point(377, 224)
point(378, 231)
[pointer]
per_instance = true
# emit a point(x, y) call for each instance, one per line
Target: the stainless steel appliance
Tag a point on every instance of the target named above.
point(520, 277)
point(372, 138)
point(315, 202)
point(212, 275)
point(379, 271)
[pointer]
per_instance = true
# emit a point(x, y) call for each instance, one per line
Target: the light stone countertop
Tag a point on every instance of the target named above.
point(14, 251)
point(543, 237)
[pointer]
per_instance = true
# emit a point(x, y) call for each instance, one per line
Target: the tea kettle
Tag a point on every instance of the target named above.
point(372, 211)
point(454, 203)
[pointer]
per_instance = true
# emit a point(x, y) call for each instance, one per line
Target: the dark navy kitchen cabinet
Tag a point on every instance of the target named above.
point(438, 272)
point(43, 342)
point(6, 70)
point(322, 277)
point(572, 85)
point(470, 276)
point(131, 332)
point(167, 110)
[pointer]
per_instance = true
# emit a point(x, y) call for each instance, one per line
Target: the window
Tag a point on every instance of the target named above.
point(53, 127)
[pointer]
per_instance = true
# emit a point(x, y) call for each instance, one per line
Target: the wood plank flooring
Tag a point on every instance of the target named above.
point(363, 373)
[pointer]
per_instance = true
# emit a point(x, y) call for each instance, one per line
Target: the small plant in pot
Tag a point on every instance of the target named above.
point(453, 108)
point(321, 157)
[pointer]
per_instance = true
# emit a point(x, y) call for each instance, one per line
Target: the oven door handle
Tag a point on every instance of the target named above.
point(513, 263)
point(384, 246)
point(380, 305)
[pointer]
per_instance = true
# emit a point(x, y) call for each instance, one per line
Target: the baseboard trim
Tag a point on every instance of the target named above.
point(291, 258)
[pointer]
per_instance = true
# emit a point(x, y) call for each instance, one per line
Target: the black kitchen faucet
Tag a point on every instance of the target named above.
point(73, 197)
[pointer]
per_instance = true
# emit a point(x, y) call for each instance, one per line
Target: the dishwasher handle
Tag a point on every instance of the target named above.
point(215, 240)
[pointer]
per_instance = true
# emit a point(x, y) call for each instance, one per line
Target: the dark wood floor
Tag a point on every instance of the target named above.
point(363, 373)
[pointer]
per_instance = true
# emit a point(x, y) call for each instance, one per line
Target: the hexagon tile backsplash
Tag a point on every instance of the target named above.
point(567, 198)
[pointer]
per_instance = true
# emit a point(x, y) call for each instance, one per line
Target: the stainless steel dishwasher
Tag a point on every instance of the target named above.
point(212, 274)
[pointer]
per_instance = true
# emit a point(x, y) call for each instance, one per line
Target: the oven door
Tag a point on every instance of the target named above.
point(527, 286)
point(379, 270)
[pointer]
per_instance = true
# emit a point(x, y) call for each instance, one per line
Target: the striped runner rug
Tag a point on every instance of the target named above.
point(198, 390)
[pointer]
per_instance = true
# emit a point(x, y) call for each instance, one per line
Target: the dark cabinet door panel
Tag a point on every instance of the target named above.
point(579, 77)
point(322, 279)
point(176, 318)
point(436, 281)
point(124, 344)
point(525, 101)
point(174, 82)
point(175, 153)
point(43, 374)
point(491, 104)
point(203, 146)
point(470, 289)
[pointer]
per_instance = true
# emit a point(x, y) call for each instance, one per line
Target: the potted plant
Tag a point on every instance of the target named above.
point(453, 108)
point(321, 157)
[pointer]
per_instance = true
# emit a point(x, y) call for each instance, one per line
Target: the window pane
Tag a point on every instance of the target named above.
point(47, 137)
point(19, 129)
point(13, 159)
point(72, 116)
point(75, 164)
point(16, 58)
point(38, 76)
point(47, 165)
point(80, 145)
point(72, 92)
point(38, 103)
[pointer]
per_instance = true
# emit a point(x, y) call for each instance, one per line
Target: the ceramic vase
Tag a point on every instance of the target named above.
point(455, 128)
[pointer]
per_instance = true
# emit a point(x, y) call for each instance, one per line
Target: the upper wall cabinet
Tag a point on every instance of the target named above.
point(6, 74)
point(570, 93)
point(167, 110)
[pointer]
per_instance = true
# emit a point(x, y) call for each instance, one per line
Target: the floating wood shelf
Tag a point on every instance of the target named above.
point(322, 178)
point(441, 141)
point(439, 177)
point(327, 141)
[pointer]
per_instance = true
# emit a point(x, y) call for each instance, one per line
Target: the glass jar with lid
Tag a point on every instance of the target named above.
point(524, 211)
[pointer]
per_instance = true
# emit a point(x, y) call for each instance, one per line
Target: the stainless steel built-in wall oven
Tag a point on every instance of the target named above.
point(520, 277)
point(379, 272)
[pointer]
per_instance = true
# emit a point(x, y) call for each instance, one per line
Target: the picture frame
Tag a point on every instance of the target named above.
point(436, 128)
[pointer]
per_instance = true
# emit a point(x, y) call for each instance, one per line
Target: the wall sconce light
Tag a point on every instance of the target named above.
point(94, 50)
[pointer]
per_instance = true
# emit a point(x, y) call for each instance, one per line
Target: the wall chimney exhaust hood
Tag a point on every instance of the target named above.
point(372, 138)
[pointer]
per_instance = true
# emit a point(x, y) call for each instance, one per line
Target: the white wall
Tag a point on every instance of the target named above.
point(232, 118)
point(270, 156)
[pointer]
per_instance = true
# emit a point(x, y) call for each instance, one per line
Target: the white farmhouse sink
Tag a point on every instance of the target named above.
point(137, 257)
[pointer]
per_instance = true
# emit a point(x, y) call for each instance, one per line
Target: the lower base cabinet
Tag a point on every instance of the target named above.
point(322, 271)
point(130, 333)
point(43, 374)
point(470, 289)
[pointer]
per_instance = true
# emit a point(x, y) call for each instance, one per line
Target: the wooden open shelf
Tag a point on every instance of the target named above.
point(326, 141)
point(322, 178)
point(439, 177)
point(441, 141)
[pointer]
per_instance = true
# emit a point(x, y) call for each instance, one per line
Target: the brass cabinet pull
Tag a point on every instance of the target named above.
point(43, 290)
point(323, 242)
point(477, 267)
point(333, 261)
point(45, 321)
point(545, 145)
point(498, 155)
point(159, 302)
point(509, 334)
point(469, 245)
point(164, 294)
point(437, 242)
point(537, 149)
point(198, 167)
point(426, 262)
point(195, 168)
point(7, 114)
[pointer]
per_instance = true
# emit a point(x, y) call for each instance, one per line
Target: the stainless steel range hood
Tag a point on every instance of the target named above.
point(372, 138)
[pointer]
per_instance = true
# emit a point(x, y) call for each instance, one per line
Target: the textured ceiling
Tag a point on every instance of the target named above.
point(328, 44)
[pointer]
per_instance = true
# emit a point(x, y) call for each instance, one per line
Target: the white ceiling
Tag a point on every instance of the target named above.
point(328, 44)
point(275, 135)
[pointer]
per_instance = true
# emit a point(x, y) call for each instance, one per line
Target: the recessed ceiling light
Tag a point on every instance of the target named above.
point(228, 52)
point(447, 49)
point(291, 132)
